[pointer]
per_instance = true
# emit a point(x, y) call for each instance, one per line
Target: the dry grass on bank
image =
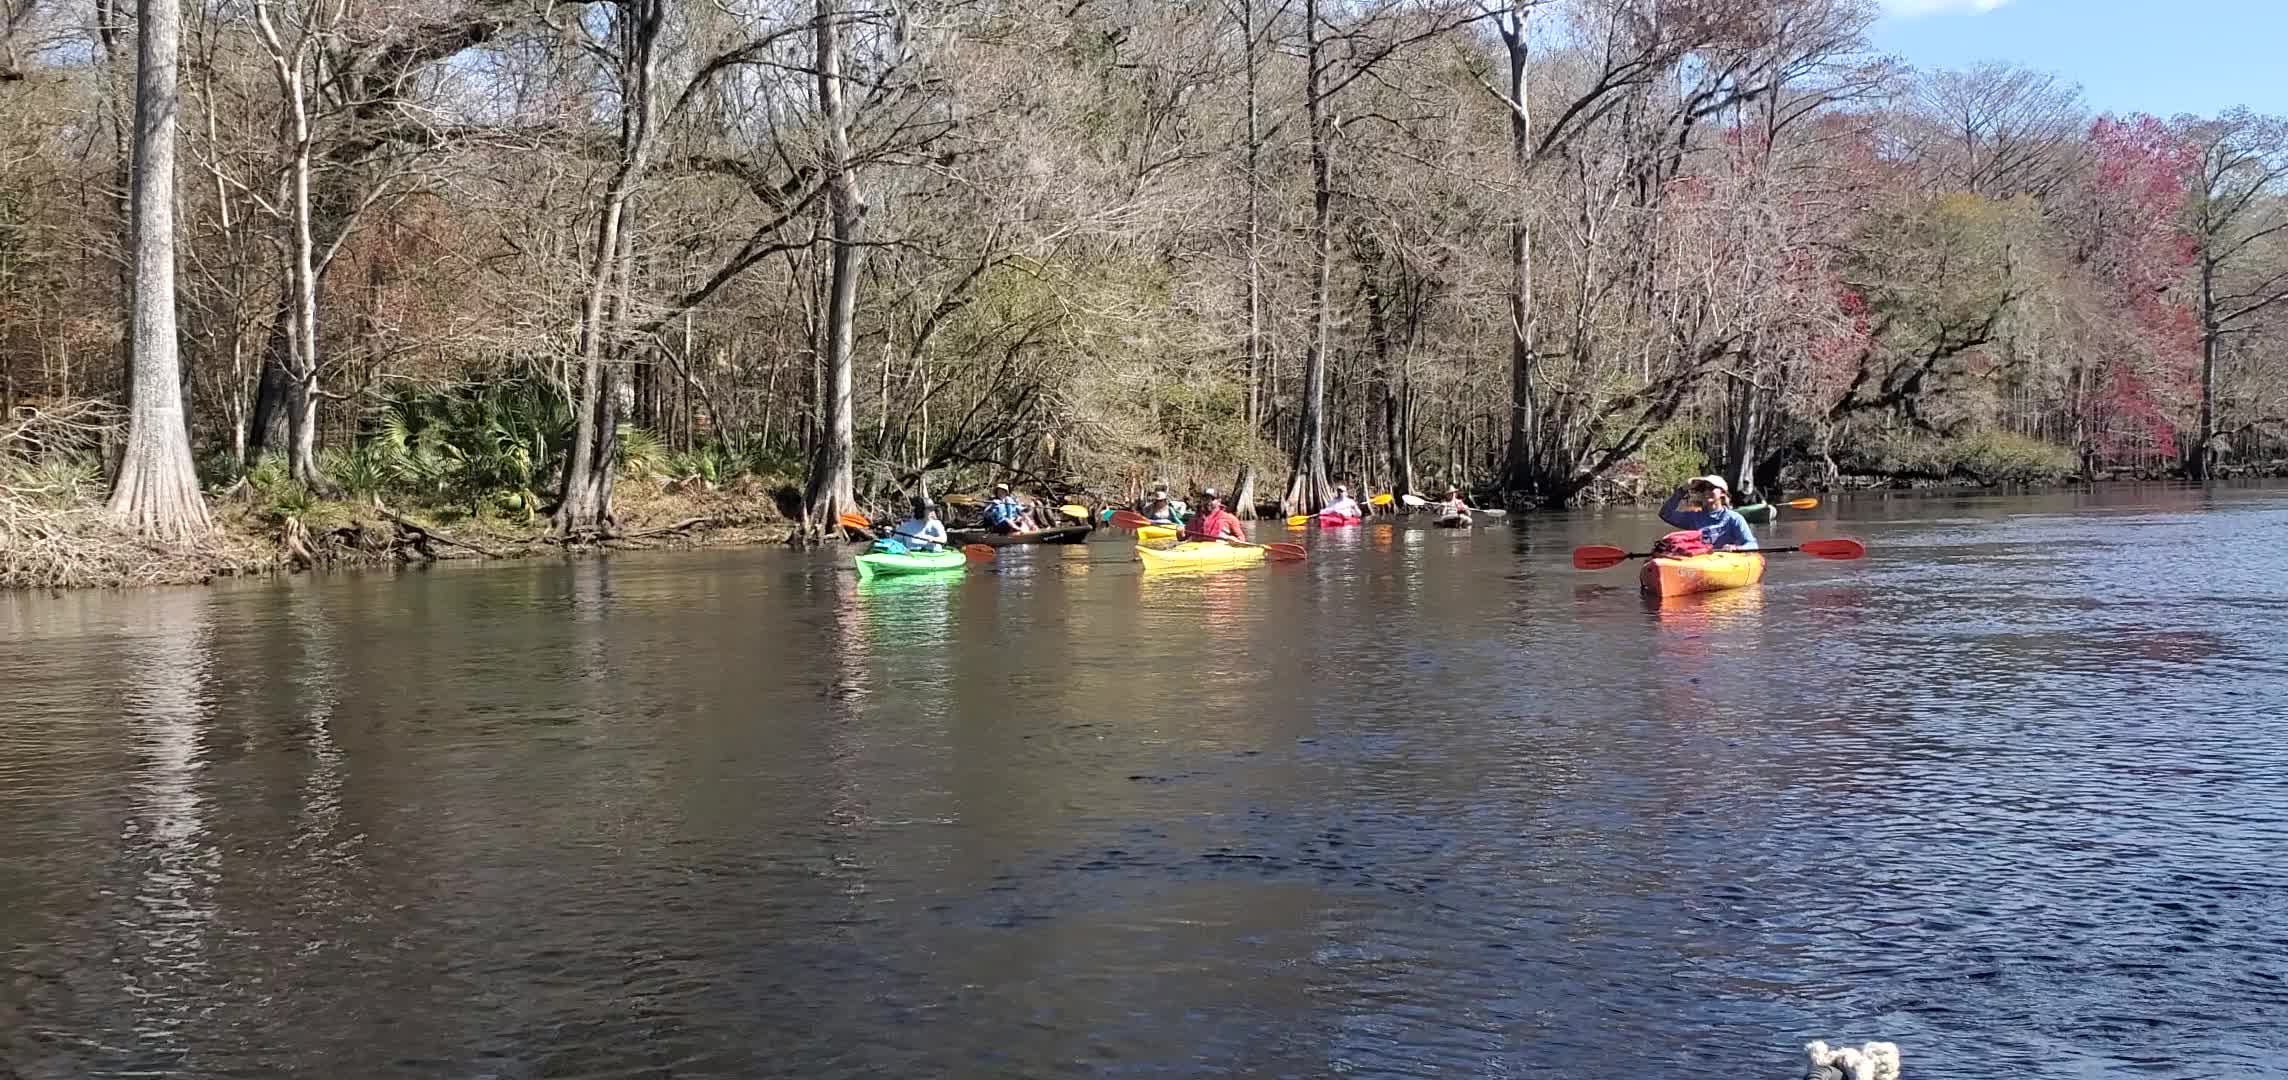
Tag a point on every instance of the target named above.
point(55, 533)
point(44, 545)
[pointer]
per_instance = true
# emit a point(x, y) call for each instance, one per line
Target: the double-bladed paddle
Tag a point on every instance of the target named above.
point(1130, 519)
point(1417, 502)
point(1599, 557)
point(972, 552)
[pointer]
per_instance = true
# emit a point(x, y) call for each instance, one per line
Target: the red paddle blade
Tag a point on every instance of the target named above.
point(854, 521)
point(1284, 552)
point(1598, 557)
point(1835, 549)
point(978, 552)
point(1130, 519)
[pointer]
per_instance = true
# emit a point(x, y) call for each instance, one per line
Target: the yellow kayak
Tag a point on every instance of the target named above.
point(1713, 572)
point(1198, 554)
point(1157, 534)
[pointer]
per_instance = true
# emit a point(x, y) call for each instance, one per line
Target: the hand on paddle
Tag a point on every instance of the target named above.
point(1130, 519)
point(973, 552)
point(1417, 502)
point(1599, 557)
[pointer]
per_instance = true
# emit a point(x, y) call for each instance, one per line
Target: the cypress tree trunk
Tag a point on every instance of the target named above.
point(156, 492)
point(831, 483)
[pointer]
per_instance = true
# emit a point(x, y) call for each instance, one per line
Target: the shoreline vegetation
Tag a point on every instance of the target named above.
point(55, 533)
point(287, 283)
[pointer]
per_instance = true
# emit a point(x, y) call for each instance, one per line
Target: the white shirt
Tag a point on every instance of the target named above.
point(915, 529)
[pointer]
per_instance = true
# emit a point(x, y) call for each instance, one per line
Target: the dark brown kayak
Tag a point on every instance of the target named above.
point(1065, 534)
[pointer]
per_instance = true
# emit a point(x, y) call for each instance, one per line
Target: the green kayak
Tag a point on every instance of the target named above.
point(883, 564)
point(1762, 513)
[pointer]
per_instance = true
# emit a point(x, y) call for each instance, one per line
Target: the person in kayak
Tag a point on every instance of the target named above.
point(1342, 505)
point(1004, 514)
point(1214, 522)
point(1454, 506)
point(1158, 509)
point(923, 531)
point(1720, 526)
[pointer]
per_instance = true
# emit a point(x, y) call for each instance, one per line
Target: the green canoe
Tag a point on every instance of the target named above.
point(883, 564)
point(1762, 513)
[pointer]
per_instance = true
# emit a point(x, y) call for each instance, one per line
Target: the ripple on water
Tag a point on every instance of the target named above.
point(2008, 792)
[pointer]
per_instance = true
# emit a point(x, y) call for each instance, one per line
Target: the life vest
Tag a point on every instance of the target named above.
point(1681, 544)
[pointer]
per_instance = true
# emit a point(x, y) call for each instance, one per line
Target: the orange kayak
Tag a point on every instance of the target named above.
point(1713, 572)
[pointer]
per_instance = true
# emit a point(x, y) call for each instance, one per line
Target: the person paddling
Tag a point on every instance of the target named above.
point(1342, 505)
point(1004, 514)
point(923, 531)
point(1158, 509)
point(1720, 526)
point(1454, 506)
point(1215, 522)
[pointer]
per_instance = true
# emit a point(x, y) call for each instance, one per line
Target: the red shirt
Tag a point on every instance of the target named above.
point(1213, 526)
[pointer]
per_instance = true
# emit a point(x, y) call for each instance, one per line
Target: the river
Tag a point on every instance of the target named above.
point(2012, 792)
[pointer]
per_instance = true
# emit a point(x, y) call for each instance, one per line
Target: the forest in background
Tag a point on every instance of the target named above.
point(518, 255)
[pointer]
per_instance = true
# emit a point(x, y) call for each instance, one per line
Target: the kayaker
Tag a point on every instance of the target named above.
point(1720, 526)
point(1004, 514)
point(1158, 509)
point(1453, 505)
point(923, 531)
point(1342, 505)
point(1214, 522)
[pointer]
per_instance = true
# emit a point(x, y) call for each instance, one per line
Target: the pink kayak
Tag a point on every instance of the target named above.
point(1337, 521)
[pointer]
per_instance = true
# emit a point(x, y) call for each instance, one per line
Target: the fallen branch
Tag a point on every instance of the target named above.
point(423, 533)
point(680, 526)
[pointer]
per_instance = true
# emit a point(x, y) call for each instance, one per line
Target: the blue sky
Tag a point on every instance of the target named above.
point(2198, 56)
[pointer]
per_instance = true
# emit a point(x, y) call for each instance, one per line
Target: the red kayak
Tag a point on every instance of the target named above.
point(1337, 521)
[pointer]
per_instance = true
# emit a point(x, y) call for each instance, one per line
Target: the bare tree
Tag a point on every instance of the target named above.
point(156, 492)
point(830, 494)
point(2239, 205)
point(1995, 129)
point(1337, 54)
point(585, 504)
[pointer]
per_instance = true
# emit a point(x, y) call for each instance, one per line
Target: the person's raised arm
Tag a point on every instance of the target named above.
point(1668, 510)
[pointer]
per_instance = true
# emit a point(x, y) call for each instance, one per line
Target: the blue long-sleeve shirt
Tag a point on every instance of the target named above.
point(1719, 528)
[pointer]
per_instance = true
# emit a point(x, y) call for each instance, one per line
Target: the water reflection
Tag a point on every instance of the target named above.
point(164, 708)
point(2007, 791)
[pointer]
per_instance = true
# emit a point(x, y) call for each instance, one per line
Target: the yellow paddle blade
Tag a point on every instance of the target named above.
point(1298, 521)
point(1384, 499)
point(1075, 511)
point(1803, 504)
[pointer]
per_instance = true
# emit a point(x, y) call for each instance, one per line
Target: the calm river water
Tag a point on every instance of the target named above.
point(2013, 792)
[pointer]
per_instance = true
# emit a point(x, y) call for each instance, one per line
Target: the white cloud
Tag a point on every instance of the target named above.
point(1915, 9)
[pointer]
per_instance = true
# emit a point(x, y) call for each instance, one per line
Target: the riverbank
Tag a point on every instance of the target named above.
point(62, 539)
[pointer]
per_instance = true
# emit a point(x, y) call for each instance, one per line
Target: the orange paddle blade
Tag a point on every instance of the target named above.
point(1598, 557)
point(1130, 519)
point(1284, 552)
point(978, 552)
point(1835, 549)
point(1803, 504)
point(854, 521)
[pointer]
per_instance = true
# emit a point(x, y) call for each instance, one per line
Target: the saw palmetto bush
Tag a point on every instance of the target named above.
point(500, 442)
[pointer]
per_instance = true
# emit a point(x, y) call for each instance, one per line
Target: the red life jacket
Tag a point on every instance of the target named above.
point(1683, 543)
point(1211, 526)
